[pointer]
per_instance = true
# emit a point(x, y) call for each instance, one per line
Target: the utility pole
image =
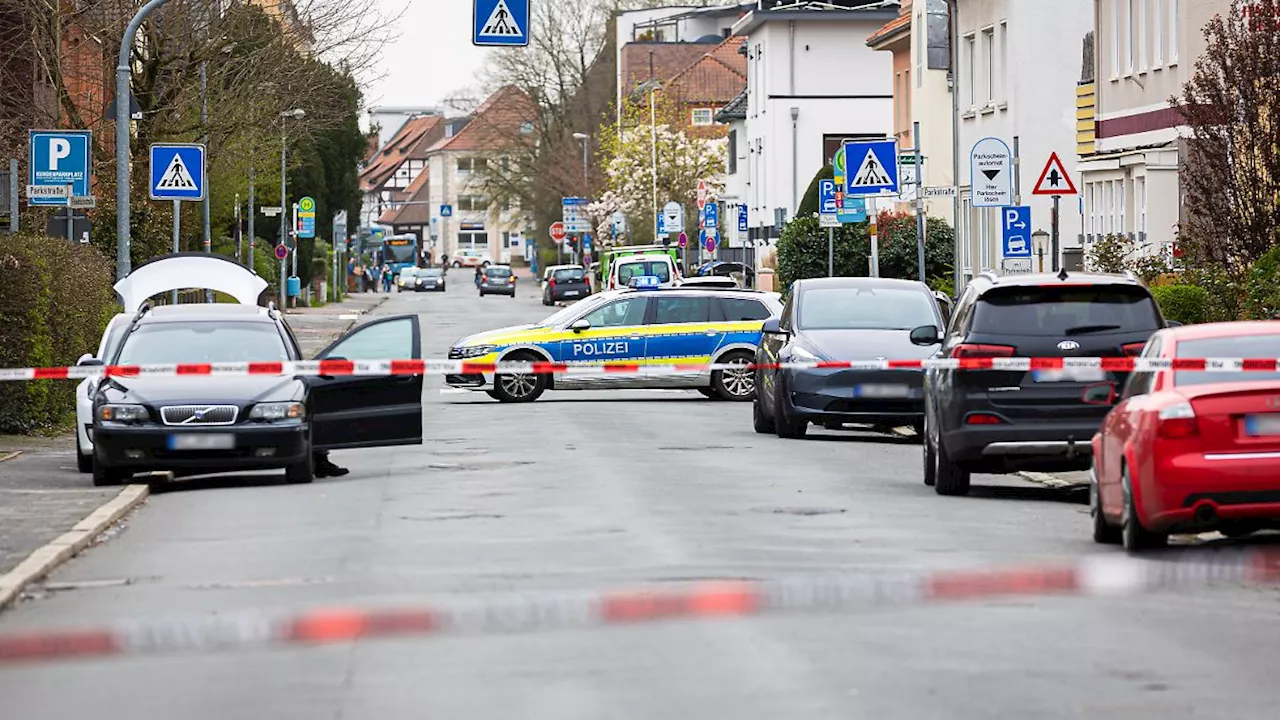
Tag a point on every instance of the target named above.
point(921, 222)
point(252, 211)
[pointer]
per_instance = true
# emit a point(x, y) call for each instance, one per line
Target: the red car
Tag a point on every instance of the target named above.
point(1189, 451)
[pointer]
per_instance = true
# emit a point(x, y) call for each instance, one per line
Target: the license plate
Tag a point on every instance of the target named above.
point(202, 441)
point(1262, 425)
point(883, 391)
point(571, 293)
point(1080, 375)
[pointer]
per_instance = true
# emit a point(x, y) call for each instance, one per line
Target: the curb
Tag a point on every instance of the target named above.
point(43, 560)
point(9, 455)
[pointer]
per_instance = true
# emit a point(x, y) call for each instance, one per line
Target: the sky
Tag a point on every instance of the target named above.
point(432, 57)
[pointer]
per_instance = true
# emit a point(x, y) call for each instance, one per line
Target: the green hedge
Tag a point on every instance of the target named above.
point(55, 300)
point(1188, 304)
point(802, 249)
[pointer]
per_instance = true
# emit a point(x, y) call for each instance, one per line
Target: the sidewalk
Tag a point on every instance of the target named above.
point(42, 495)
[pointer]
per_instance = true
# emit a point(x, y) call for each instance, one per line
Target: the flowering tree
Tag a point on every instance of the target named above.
point(627, 157)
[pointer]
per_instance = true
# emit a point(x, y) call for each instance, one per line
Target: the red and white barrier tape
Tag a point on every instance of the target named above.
point(463, 367)
point(1090, 576)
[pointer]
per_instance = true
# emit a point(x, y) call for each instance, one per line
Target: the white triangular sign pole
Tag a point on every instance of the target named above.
point(177, 177)
point(870, 173)
point(500, 23)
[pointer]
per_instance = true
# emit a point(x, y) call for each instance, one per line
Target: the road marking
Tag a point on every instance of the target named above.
point(454, 391)
point(349, 316)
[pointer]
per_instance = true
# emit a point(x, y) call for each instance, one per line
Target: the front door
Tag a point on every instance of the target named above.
point(616, 334)
point(369, 411)
point(680, 332)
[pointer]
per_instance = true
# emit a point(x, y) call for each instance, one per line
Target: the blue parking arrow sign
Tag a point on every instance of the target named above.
point(871, 168)
point(59, 158)
point(1016, 231)
point(502, 23)
point(827, 197)
point(712, 224)
point(177, 171)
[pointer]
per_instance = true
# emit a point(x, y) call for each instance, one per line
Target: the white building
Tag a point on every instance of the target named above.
point(811, 83)
point(1019, 64)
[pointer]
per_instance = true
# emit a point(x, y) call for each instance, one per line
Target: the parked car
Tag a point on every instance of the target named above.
point(550, 269)
point(497, 280)
point(156, 277)
point(844, 319)
point(471, 258)
point(724, 268)
point(1189, 451)
point(1002, 421)
point(568, 282)
point(429, 280)
point(658, 265)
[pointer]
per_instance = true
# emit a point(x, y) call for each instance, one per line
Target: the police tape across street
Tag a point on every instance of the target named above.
point(331, 368)
point(1099, 575)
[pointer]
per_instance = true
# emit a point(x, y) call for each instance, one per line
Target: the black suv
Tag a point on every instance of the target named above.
point(1001, 421)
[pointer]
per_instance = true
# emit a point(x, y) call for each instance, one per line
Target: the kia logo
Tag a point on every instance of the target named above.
point(1068, 345)
point(1273, 402)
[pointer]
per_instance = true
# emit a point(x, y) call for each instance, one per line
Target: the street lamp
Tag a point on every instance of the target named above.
point(1040, 242)
point(296, 114)
point(584, 138)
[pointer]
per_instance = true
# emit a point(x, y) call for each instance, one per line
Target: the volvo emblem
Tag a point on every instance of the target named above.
point(1068, 345)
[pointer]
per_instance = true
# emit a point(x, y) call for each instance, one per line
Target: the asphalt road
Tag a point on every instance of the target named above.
point(593, 490)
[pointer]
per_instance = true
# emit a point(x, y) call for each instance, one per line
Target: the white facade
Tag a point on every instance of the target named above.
point(810, 78)
point(1019, 65)
point(477, 223)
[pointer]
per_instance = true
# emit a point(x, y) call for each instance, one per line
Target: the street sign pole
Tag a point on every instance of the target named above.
point(177, 229)
point(831, 252)
point(921, 224)
point(71, 221)
point(1057, 199)
point(252, 211)
point(1017, 172)
point(875, 239)
point(13, 197)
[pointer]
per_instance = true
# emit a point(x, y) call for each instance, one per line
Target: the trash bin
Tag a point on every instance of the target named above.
point(295, 287)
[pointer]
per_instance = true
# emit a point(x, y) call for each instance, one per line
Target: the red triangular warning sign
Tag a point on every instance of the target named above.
point(1054, 179)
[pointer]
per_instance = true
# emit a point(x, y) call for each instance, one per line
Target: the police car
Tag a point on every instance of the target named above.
point(642, 324)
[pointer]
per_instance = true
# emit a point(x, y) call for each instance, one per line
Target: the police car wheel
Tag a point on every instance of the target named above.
point(519, 387)
point(738, 384)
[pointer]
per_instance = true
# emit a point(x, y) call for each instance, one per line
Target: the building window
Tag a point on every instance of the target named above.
point(731, 165)
point(466, 165)
point(1142, 35)
point(701, 116)
point(1122, 196)
point(473, 239)
point(1115, 38)
point(1109, 208)
point(1175, 21)
point(906, 103)
point(1140, 198)
point(1004, 61)
point(918, 48)
point(989, 57)
point(970, 47)
point(1131, 34)
point(1157, 33)
point(472, 203)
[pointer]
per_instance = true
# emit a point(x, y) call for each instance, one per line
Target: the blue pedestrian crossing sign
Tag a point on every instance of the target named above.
point(58, 159)
point(871, 167)
point(503, 23)
point(1016, 231)
point(177, 171)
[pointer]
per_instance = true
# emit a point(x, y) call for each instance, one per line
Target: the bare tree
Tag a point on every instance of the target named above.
point(1231, 104)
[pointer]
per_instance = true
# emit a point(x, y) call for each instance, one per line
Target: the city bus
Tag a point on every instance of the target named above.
point(400, 252)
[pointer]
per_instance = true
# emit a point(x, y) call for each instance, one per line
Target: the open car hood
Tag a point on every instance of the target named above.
point(182, 271)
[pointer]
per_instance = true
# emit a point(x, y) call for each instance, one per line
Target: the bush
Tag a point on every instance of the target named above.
point(1188, 304)
point(802, 249)
point(809, 203)
point(1262, 287)
point(55, 300)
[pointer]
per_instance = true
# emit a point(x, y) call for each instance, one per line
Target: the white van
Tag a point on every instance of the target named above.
point(627, 267)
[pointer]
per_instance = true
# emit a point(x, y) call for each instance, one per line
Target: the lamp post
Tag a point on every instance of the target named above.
point(586, 175)
point(296, 114)
point(1040, 241)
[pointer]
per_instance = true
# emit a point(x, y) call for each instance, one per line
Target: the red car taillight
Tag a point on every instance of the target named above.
point(552, 283)
point(983, 419)
point(970, 350)
point(1133, 349)
point(1178, 422)
point(512, 280)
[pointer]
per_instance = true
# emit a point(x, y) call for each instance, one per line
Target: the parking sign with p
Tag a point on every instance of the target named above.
point(58, 159)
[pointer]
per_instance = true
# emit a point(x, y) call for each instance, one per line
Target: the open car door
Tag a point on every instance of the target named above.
point(369, 411)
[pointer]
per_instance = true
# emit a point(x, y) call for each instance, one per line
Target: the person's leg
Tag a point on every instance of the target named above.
point(324, 467)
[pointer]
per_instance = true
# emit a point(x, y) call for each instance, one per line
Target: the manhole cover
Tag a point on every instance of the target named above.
point(805, 512)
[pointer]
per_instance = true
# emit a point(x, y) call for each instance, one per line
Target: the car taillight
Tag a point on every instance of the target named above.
point(970, 350)
point(552, 283)
point(1178, 422)
point(1133, 349)
point(512, 280)
point(983, 419)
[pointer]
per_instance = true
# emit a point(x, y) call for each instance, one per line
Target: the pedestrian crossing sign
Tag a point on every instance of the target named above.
point(871, 167)
point(500, 22)
point(177, 172)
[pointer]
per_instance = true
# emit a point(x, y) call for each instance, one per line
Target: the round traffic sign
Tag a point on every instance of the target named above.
point(282, 252)
point(557, 231)
point(684, 239)
point(307, 204)
point(711, 243)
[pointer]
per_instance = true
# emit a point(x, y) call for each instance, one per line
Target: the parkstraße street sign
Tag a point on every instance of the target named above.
point(991, 173)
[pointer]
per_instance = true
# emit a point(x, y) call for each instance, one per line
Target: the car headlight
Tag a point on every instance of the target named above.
point(476, 351)
point(277, 411)
point(123, 413)
point(799, 354)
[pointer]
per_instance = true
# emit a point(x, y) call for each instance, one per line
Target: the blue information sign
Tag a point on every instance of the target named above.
point(59, 158)
point(1016, 231)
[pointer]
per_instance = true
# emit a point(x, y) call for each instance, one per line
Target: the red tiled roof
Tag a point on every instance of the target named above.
point(410, 214)
point(716, 78)
point(892, 28)
point(495, 124)
point(409, 143)
point(669, 59)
